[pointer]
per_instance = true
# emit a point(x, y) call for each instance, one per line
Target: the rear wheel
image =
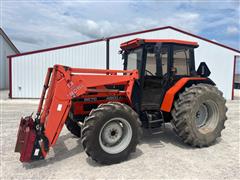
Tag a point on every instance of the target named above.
point(111, 132)
point(199, 115)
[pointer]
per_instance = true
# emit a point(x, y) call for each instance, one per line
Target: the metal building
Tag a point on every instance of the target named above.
point(27, 70)
point(6, 48)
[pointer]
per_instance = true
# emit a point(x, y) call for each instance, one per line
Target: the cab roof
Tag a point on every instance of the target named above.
point(137, 42)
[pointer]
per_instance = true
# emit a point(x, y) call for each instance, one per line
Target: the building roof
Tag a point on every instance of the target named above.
point(124, 35)
point(4, 35)
point(137, 42)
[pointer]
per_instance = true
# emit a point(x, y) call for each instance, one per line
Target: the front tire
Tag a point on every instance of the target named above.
point(199, 115)
point(111, 132)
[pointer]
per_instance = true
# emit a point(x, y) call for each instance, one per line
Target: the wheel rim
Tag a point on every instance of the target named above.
point(207, 116)
point(115, 135)
point(201, 116)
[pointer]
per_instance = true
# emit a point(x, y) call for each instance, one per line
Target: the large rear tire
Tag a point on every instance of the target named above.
point(199, 115)
point(111, 132)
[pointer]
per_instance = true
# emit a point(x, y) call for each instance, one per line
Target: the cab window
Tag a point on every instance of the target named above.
point(181, 59)
point(157, 66)
point(164, 59)
point(151, 62)
point(134, 59)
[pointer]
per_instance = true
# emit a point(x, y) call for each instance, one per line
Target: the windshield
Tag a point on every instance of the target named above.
point(134, 59)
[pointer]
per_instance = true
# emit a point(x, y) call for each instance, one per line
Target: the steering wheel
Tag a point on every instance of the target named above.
point(165, 78)
point(149, 72)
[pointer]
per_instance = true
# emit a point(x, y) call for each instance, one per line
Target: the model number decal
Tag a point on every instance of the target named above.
point(90, 99)
point(109, 98)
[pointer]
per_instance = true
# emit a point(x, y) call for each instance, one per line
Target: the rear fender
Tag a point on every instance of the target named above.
point(178, 87)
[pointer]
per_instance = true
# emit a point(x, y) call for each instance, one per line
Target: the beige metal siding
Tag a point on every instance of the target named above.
point(28, 71)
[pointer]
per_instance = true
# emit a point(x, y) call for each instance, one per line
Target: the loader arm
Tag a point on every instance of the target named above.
point(62, 85)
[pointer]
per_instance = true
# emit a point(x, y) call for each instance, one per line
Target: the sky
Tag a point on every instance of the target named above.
point(33, 25)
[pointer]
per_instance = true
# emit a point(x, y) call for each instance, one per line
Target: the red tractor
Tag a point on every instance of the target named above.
point(108, 108)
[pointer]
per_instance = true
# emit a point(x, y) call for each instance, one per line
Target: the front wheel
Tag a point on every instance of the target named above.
point(111, 132)
point(199, 115)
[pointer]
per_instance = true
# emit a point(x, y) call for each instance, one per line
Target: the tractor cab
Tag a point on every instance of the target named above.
point(160, 63)
point(158, 57)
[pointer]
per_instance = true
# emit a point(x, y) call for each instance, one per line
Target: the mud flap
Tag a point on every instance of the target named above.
point(28, 142)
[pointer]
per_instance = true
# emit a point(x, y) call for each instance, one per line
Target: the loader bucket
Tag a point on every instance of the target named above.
point(27, 142)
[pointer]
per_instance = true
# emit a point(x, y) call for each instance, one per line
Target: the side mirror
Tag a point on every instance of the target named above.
point(120, 51)
point(203, 70)
point(124, 54)
point(174, 70)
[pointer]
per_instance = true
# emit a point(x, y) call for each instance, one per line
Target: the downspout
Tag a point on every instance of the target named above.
point(10, 76)
point(107, 54)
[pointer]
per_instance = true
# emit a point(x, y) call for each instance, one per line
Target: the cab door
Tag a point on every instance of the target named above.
point(155, 76)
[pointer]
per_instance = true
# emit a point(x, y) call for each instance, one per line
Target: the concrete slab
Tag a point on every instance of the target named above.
point(158, 156)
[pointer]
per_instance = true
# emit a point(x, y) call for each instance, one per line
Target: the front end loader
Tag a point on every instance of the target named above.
point(107, 109)
point(64, 84)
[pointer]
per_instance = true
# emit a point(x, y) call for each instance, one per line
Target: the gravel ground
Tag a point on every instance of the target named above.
point(158, 156)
